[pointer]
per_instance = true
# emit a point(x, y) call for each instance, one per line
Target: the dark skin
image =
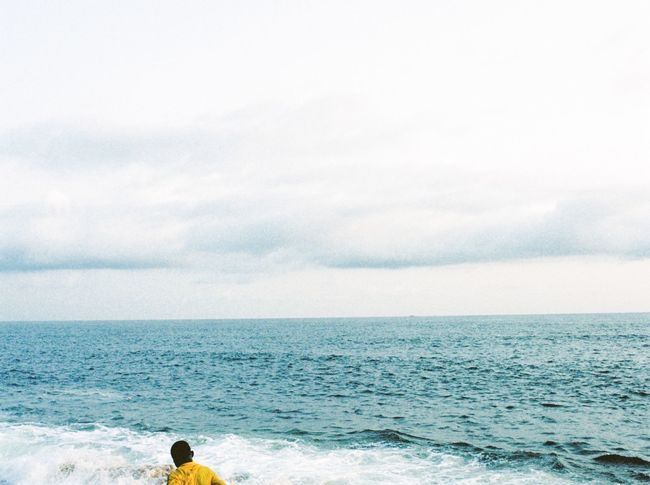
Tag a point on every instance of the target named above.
point(179, 461)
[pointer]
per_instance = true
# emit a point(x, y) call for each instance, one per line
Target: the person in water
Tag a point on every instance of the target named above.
point(189, 472)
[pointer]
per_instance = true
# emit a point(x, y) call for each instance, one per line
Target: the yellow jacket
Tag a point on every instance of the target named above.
point(191, 473)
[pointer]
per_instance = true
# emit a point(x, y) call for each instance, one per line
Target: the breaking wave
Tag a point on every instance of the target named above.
point(31, 453)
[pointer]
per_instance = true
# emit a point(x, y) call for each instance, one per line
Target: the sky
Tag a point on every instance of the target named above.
point(228, 159)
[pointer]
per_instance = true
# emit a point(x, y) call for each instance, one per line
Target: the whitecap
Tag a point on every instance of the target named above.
point(31, 453)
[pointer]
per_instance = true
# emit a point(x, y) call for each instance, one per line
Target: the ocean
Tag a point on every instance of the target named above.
point(548, 399)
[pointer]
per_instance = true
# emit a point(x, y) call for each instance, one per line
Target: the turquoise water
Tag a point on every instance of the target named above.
point(511, 399)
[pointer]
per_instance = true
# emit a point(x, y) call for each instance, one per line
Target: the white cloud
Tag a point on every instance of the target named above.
point(362, 209)
point(219, 141)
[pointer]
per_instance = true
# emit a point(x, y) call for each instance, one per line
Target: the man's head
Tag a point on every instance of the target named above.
point(181, 453)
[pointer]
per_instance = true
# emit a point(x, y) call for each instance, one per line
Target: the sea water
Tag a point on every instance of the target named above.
point(509, 399)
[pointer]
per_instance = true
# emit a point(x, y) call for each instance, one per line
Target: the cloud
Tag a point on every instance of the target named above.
point(329, 183)
point(239, 164)
point(21, 260)
point(584, 226)
point(254, 238)
point(75, 147)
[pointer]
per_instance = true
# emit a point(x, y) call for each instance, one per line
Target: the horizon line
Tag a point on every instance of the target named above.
point(224, 319)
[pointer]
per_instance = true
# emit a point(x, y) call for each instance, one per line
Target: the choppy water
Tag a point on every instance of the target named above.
point(513, 399)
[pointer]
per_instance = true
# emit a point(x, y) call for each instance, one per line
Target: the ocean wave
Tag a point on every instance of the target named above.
point(32, 453)
point(387, 436)
point(614, 459)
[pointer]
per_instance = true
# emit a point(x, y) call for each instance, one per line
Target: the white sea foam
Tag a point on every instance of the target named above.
point(37, 454)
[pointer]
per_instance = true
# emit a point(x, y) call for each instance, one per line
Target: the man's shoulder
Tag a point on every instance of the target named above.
point(204, 468)
point(176, 476)
point(209, 476)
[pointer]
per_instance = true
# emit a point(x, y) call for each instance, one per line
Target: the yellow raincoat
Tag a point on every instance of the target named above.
point(191, 473)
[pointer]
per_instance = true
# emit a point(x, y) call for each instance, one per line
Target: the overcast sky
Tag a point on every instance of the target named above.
point(208, 159)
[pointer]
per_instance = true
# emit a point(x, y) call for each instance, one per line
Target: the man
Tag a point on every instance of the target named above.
point(189, 472)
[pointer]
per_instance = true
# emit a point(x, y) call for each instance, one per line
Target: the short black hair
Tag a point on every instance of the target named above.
point(181, 451)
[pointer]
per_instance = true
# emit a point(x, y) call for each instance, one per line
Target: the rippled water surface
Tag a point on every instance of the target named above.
point(513, 399)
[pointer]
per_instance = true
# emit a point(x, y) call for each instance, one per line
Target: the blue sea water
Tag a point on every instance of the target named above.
point(499, 399)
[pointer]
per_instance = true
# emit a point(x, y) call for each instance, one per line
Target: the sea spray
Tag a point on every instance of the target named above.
point(96, 454)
